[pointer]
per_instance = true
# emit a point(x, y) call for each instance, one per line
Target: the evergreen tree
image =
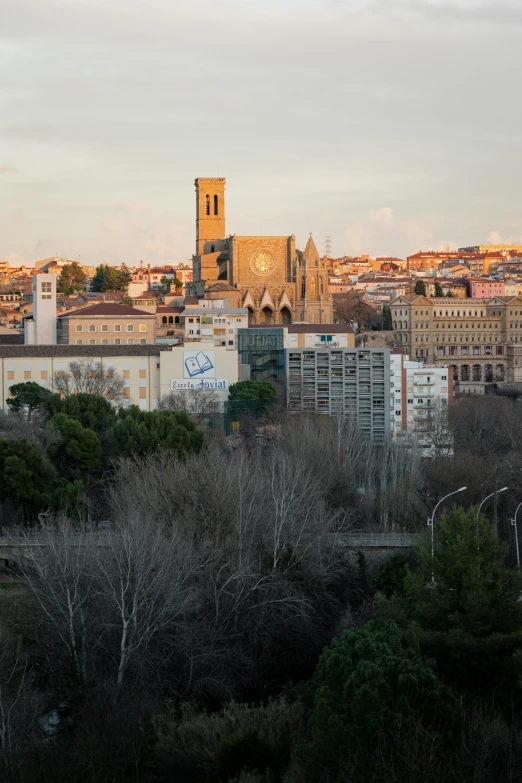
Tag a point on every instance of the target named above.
point(78, 453)
point(438, 289)
point(251, 390)
point(464, 604)
point(137, 433)
point(420, 288)
point(110, 278)
point(28, 396)
point(372, 688)
point(73, 278)
point(25, 475)
point(387, 323)
point(91, 410)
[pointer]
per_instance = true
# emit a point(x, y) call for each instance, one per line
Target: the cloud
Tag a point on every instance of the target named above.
point(8, 170)
point(356, 236)
point(383, 216)
point(112, 227)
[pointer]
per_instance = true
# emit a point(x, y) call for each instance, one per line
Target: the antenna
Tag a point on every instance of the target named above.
point(327, 246)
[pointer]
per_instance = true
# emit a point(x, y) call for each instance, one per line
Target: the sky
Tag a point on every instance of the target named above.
point(388, 125)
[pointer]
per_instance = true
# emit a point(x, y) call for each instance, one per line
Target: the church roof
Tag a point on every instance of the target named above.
point(310, 255)
point(220, 287)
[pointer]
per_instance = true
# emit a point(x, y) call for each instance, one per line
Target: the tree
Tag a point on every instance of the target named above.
point(464, 604)
point(351, 307)
point(29, 397)
point(73, 278)
point(84, 377)
point(387, 323)
point(251, 390)
point(199, 404)
point(110, 278)
point(371, 688)
point(91, 410)
point(438, 289)
point(25, 476)
point(137, 433)
point(420, 288)
point(78, 453)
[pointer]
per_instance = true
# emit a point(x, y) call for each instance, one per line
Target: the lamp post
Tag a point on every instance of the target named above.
point(514, 523)
point(497, 492)
point(430, 524)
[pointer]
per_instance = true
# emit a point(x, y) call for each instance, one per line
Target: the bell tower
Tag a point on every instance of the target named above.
point(210, 214)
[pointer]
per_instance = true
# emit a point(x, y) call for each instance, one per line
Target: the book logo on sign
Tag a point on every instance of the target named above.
point(199, 364)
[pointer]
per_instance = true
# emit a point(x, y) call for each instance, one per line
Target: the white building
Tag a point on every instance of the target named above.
point(420, 397)
point(40, 328)
point(212, 320)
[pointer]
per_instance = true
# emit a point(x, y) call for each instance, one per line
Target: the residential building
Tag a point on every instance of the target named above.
point(491, 249)
point(148, 371)
point(485, 288)
point(320, 336)
point(420, 399)
point(212, 320)
point(480, 338)
point(106, 324)
point(347, 382)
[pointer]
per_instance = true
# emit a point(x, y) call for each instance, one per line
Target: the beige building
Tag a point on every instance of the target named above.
point(106, 324)
point(480, 339)
point(147, 370)
point(277, 283)
point(320, 336)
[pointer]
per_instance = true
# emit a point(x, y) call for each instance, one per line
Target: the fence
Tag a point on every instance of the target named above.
point(361, 539)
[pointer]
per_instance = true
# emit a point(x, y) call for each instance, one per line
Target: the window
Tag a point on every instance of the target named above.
point(143, 341)
point(10, 375)
point(117, 341)
point(143, 393)
point(79, 328)
point(126, 393)
point(105, 328)
point(105, 342)
point(143, 327)
point(46, 290)
point(410, 401)
point(142, 374)
point(92, 342)
point(207, 205)
point(27, 375)
point(130, 327)
point(130, 341)
point(79, 342)
point(43, 375)
point(215, 205)
point(92, 328)
point(117, 328)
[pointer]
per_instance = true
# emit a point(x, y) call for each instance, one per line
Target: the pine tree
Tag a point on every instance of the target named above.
point(420, 288)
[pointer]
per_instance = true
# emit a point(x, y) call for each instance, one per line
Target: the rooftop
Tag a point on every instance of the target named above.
point(106, 309)
point(75, 351)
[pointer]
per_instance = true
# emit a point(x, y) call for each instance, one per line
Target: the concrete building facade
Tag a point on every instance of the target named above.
point(41, 327)
point(107, 324)
point(346, 382)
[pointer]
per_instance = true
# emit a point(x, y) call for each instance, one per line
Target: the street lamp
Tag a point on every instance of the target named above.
point(497, 492)
point(430, 524)
point(514, 523)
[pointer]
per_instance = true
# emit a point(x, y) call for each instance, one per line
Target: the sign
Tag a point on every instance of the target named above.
point(253, 339)
point(199, 364)
point(202, 384)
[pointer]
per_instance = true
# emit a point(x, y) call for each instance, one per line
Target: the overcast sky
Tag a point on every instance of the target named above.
point(391, 125)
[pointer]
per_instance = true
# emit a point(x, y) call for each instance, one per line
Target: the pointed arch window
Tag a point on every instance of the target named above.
point(207, 205)
point(215, 205)
point(313, 288)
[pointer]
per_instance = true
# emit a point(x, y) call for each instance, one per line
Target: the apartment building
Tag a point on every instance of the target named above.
point(106, 324)
point(420, 398)
point(320, 336)
point(480, 338)
point(344, 382)
point(485, 288)
point(148, 371)
point(212, 320)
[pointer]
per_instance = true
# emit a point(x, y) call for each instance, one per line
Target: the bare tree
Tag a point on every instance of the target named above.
point(90, 378)
point(17, 700)
point(199, 404)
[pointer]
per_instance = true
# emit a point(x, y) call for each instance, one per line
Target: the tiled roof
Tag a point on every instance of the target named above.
point(106, 308)
point(13, 351)
point(320, 328)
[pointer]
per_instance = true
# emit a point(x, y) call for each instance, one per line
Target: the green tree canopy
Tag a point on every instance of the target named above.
point(137, 433)
point(28, 396)
point(110, 278)
point(438, 289)
point(469, 617)
point(251, 390)
point(73, 278)
point(91, 410)
point(387, 323)
point(25, 475)
point(371, 688)
point(78, 453)
point(420, 288)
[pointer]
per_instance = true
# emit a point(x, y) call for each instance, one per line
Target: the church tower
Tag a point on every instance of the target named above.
point(210, 214)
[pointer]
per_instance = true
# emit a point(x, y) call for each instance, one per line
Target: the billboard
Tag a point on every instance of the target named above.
point(201, 384)
point(199, 364)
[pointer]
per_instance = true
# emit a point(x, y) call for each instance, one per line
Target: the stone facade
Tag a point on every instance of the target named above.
point(481, 339)
point(277, 283)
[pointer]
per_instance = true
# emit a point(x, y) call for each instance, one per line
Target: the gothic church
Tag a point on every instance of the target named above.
point(267, 274)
